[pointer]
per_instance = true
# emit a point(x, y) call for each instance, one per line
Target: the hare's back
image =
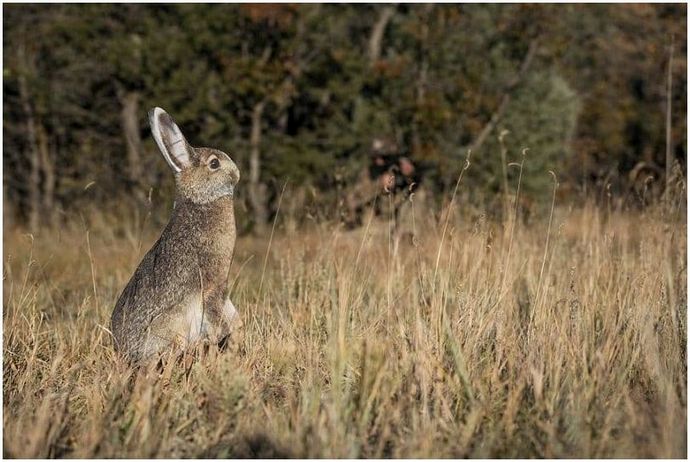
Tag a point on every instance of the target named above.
point(156, 300)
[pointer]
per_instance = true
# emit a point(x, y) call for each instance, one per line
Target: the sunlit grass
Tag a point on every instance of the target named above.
point(353, 346)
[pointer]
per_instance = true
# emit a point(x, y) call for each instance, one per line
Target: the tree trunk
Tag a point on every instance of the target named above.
point(49, 179)
point(8, 209)
point(377, 32)
point(257, 190)
point(130, 128)
point(34, 180)
point(421, 80)
point(669, 159)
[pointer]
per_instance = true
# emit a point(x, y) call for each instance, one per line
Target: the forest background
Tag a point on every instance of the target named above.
point(298, 93)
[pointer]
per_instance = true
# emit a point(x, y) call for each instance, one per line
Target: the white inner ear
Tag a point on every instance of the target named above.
point(178, 154)
point(178, 146)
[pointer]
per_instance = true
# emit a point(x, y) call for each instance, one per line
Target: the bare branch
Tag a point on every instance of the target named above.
point(498, 113)
point(377, 32)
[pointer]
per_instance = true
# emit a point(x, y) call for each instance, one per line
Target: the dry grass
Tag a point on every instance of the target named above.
point(356, 347)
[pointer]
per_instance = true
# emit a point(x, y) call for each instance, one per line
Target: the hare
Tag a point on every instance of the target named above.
point(178, 294)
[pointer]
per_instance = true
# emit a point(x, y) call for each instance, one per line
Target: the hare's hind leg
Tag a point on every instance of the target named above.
point(177, 329)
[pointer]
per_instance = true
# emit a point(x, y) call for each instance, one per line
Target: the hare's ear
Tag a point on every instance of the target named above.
point(172, 143)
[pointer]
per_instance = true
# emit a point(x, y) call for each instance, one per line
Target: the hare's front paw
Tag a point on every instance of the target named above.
point(229, 311)
point(232, 329)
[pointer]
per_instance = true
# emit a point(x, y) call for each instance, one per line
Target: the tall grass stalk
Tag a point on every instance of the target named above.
point(270, 239)
point(449, 211)
point(516, 217)
point(548, 236)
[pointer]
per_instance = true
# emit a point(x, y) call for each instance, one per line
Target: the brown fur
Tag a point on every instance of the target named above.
point(188, 266)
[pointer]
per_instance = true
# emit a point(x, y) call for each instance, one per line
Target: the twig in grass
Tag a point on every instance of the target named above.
point(231, 287)
point(388, 260)
point(415, 242)
point(270, 239)
point(504, 171)
point(93, 268)
point(366, 230)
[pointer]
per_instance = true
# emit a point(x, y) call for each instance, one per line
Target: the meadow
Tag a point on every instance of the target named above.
point(463, 337)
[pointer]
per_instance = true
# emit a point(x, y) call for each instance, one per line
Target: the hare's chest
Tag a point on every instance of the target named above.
point(216, 252)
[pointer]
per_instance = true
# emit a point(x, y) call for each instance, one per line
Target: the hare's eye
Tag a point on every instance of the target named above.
point(214, 164)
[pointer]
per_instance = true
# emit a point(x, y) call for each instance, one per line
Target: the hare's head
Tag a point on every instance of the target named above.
point(202, 175)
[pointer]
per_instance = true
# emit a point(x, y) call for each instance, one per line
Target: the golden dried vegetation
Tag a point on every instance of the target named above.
point(478, 341)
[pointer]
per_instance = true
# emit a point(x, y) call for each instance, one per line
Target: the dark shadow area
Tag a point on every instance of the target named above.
point(256, 446)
